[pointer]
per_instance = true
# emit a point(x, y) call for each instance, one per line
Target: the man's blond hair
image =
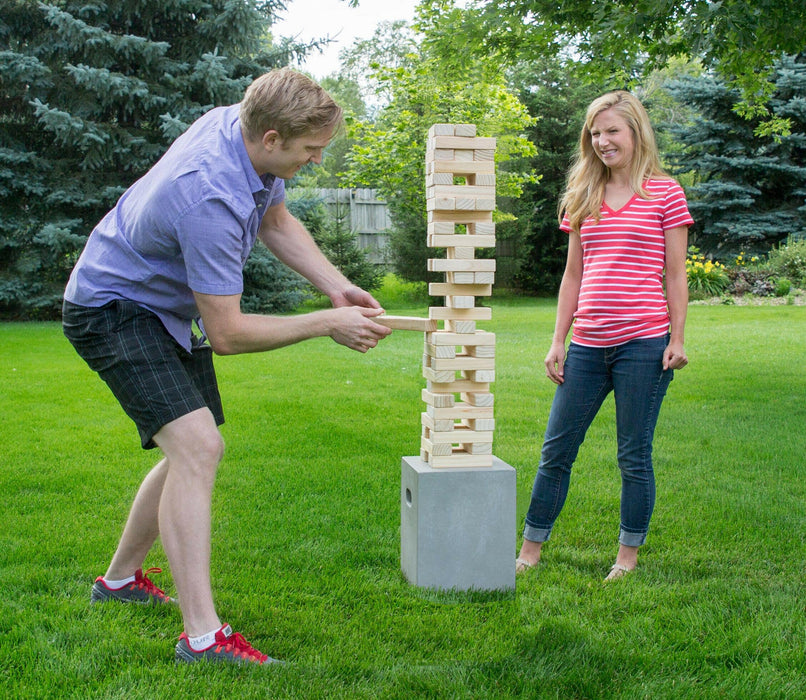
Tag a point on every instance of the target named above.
point(288, 102)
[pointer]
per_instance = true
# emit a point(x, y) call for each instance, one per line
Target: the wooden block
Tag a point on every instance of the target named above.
point(438, 400)
point(468, 216)
point(481, 229)
point(482, 350)
point(462, 363)
point(464, 129)
point(461, 252)
point(441, 426)
point(478, 313)
point(460, 326)
point(460, 191)
point(478, 398)
point(442, 130)
point(482, 375)
point(481, 424)
point(458, 167)
point(460, 302)
point(457, 386)
point(461, 277)
point(440, 204)
point(470, 339)
point(441, 377)
point(443, 289)
point(484, 154)
point(464, 155)
point(485, 179)
point(460, 411)
point(441, 228)
point(447, 265)
point(474, 143)
point(407, 323)
point(441, 241)
point(460, 460)
point(484, 278)
point(441, 351)
point(478, 448)
point(483, 204)
point(435, 179)
point(439, 449)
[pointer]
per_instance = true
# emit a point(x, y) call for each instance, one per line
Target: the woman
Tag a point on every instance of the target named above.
point(627, 224)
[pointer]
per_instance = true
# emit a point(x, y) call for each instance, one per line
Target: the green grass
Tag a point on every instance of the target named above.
point(306, 529)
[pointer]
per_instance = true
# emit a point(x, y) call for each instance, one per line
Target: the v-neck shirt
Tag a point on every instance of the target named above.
point(621, 296)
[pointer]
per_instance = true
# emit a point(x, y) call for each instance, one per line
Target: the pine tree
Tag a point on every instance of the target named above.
point(91, 95)
point(749, 191)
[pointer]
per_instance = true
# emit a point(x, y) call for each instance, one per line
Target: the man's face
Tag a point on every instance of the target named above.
point(287, 156)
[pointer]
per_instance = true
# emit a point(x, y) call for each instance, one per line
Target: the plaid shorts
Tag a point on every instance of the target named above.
point(154, 378)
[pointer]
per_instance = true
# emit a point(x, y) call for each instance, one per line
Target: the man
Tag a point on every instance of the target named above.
point(171, 252)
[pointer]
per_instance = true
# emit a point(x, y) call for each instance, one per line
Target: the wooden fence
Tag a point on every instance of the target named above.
point(369, 218)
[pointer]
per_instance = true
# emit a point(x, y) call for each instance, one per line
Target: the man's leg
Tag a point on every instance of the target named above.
point(193, 447)
point(142, 526)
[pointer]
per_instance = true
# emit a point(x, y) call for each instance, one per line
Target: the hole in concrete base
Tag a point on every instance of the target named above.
point(408, 497)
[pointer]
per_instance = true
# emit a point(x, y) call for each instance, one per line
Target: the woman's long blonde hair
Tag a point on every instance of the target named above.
point(585, 188)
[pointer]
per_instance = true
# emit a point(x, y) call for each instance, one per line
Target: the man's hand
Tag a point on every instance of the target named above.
point(355, 296)
point(354, 328)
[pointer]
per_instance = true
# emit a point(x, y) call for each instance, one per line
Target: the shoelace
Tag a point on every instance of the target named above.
point(142, 581)
point(240, 647)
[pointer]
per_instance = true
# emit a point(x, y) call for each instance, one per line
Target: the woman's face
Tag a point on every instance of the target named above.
point(613, 140)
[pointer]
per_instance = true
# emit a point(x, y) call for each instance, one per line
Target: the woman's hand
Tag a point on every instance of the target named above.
point(674, 356)
point(555, 362)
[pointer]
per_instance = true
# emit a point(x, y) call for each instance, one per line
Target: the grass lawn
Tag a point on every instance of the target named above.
point(306, 529)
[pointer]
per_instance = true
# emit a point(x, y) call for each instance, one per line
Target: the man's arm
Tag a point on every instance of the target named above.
point(232, 332)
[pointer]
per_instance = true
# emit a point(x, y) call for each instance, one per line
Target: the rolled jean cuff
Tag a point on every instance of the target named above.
point(631, 539)
point(536, 534)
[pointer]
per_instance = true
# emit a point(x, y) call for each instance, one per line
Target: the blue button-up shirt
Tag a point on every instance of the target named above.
point(187, 225)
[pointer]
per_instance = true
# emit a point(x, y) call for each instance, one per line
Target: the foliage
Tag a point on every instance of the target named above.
point(316, 430)
point(748, 192)
point(389, 154)
point(622, 40)
point(331, 229)
point(789, 260)
point(556, 98)
point(269, 286)
point(91, 94)
point(706, 278)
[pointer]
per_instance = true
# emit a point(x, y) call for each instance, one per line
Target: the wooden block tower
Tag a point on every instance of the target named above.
point(459, 359)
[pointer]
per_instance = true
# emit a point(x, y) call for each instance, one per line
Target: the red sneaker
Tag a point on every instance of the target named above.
point(142, 590)
point(228, 646)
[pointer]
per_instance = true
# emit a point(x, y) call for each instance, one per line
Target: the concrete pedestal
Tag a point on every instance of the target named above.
point(457, 526)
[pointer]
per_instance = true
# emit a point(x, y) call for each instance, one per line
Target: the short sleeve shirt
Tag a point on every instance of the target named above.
point(623, 259)
point(187, 225)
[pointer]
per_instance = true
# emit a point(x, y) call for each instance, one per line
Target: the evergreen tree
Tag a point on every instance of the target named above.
point(91, 95)
point(558, 100)
point(749, 191)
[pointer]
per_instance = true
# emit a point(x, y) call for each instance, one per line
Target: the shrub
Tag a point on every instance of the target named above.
point(789, 261)
point(782, 287)
point(705, 277)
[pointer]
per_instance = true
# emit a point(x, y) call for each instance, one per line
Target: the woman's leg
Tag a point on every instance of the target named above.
point(576, 402)
point(639, 385)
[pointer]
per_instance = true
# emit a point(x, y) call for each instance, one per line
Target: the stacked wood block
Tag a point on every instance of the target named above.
point(459, 358)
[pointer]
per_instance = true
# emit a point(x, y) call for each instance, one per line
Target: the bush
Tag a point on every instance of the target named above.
point(789, 261)
point(706, 278)
point(782, 287)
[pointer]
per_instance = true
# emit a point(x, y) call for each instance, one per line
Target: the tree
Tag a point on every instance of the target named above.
point(390, 151)
point(621, 40)
point(749, 193)
point(557, 99)
point(91, 95)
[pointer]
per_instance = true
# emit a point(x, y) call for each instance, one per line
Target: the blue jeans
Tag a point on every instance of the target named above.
point(634, 372)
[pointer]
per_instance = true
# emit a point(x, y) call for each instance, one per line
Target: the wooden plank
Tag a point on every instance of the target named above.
point(451, 241)
point(442, 289)
point(446, 265)
point(465, 142)
point(477, 313)
point(447, 338)
point(407, 323)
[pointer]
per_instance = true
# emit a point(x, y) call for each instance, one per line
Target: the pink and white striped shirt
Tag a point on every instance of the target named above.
point(623, 257)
